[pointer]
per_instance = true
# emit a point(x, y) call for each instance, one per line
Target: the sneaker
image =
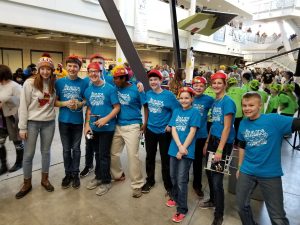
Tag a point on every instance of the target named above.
point(66, 182)
point(103, 189)
point(178, 217)
point(217, 221)
point(86, 171)
point(199, 193)
point(147, 187)
point(170, 203)
point(137, 192)
point(122, 178)
point(76, 182)
point(207, 204)
point(93, 184)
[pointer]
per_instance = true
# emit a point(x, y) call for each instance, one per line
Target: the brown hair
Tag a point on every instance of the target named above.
point(38, 82)
point(252, 94)
point(5, 73)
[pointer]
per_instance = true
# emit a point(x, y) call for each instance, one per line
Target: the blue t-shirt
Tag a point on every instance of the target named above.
point(220, 108)
point(67, 89)
point(101, 99)
point(203, 103)
point(183, 120)
point(104, 76)
point(160, 105)
point(263, 138)
point(131, 101)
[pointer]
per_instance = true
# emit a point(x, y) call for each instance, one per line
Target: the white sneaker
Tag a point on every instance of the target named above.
point(93, 184)
point(103, 189)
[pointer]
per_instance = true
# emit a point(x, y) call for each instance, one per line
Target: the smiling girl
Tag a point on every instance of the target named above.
point(37, 117)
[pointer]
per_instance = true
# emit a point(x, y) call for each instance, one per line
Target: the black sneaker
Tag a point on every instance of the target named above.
point(66, 182)
point(147, 187)
point(217, 221)
point(76, 182)
point(207, 204)
point(86, 171)
point(199, 193)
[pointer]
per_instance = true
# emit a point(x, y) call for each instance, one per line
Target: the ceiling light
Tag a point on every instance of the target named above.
point(41, 36)
point(83, 41)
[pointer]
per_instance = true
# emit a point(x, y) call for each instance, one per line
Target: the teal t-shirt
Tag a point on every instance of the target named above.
point(263, 139)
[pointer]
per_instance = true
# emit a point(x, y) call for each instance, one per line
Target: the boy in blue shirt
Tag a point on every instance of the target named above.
point(102, 108)
point(69, 92)
point(161, 104)
point(260, 140)
point(128, 129)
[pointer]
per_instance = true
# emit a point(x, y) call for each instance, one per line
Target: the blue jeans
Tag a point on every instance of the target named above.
point(70, 135)
point(46, 130)
point(272, 193)
point(101, 144)
point(179, 172)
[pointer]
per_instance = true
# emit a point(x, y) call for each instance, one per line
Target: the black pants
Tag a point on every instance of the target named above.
point(237, 122)
point(215, 179)
point(197, 163)
point(89, 153)
point(164, 140)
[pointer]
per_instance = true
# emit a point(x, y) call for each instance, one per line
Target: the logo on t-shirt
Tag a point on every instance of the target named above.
point(124, 98)
point(97, 99)
point(181, 123)
point(256, 137)
point(45, 100)
point(200, 107)
point(155, 106)
point(216, 114)
point(71, 92)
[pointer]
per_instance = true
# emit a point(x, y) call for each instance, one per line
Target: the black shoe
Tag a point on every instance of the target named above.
point(76, 182)
point(66, 182)
point(199, 193)
point(86, 171)
point(3, 169)
point(147, 187)
point(15, 167)
point(217, 221)
point(207, 204)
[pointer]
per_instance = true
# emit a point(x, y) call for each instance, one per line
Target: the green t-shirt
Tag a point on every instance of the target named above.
point(273, 103)
point(246, 87)
point(210, 92)
point(236, 94)
point(264, 98)
point(287, 104)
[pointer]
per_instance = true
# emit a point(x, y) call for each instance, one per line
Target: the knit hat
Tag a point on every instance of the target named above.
point(234, 67)
point(155, 73)
point(254, 85)
point(275, 87)
point(94, 56)
point(118, 71)
point(186, 89)
point(198, 79)
point(74, 59)
point(94, 65)
point(232, 81)
point(218, 75)
point(45, 60)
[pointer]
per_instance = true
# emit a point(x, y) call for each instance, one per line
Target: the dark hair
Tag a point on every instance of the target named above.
point(289, 73)
point(126, 77)
point(252, 94)
point(74, 60)
point(247, 76)
point(5, 73)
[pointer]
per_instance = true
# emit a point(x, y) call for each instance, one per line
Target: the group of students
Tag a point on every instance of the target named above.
point(113, 119)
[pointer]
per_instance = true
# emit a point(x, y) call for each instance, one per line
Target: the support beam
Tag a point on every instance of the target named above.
point(118, 27)
point(177, 52)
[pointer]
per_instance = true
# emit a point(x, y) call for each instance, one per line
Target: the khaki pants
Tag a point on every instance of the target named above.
point(128, 136)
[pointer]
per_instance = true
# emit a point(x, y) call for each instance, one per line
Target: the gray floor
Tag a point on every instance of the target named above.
point(83, 207)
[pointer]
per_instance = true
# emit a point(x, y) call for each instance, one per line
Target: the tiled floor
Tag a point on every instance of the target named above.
point(83, 207)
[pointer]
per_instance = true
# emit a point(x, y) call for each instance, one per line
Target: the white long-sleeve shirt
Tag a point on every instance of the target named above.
point(10, 98)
